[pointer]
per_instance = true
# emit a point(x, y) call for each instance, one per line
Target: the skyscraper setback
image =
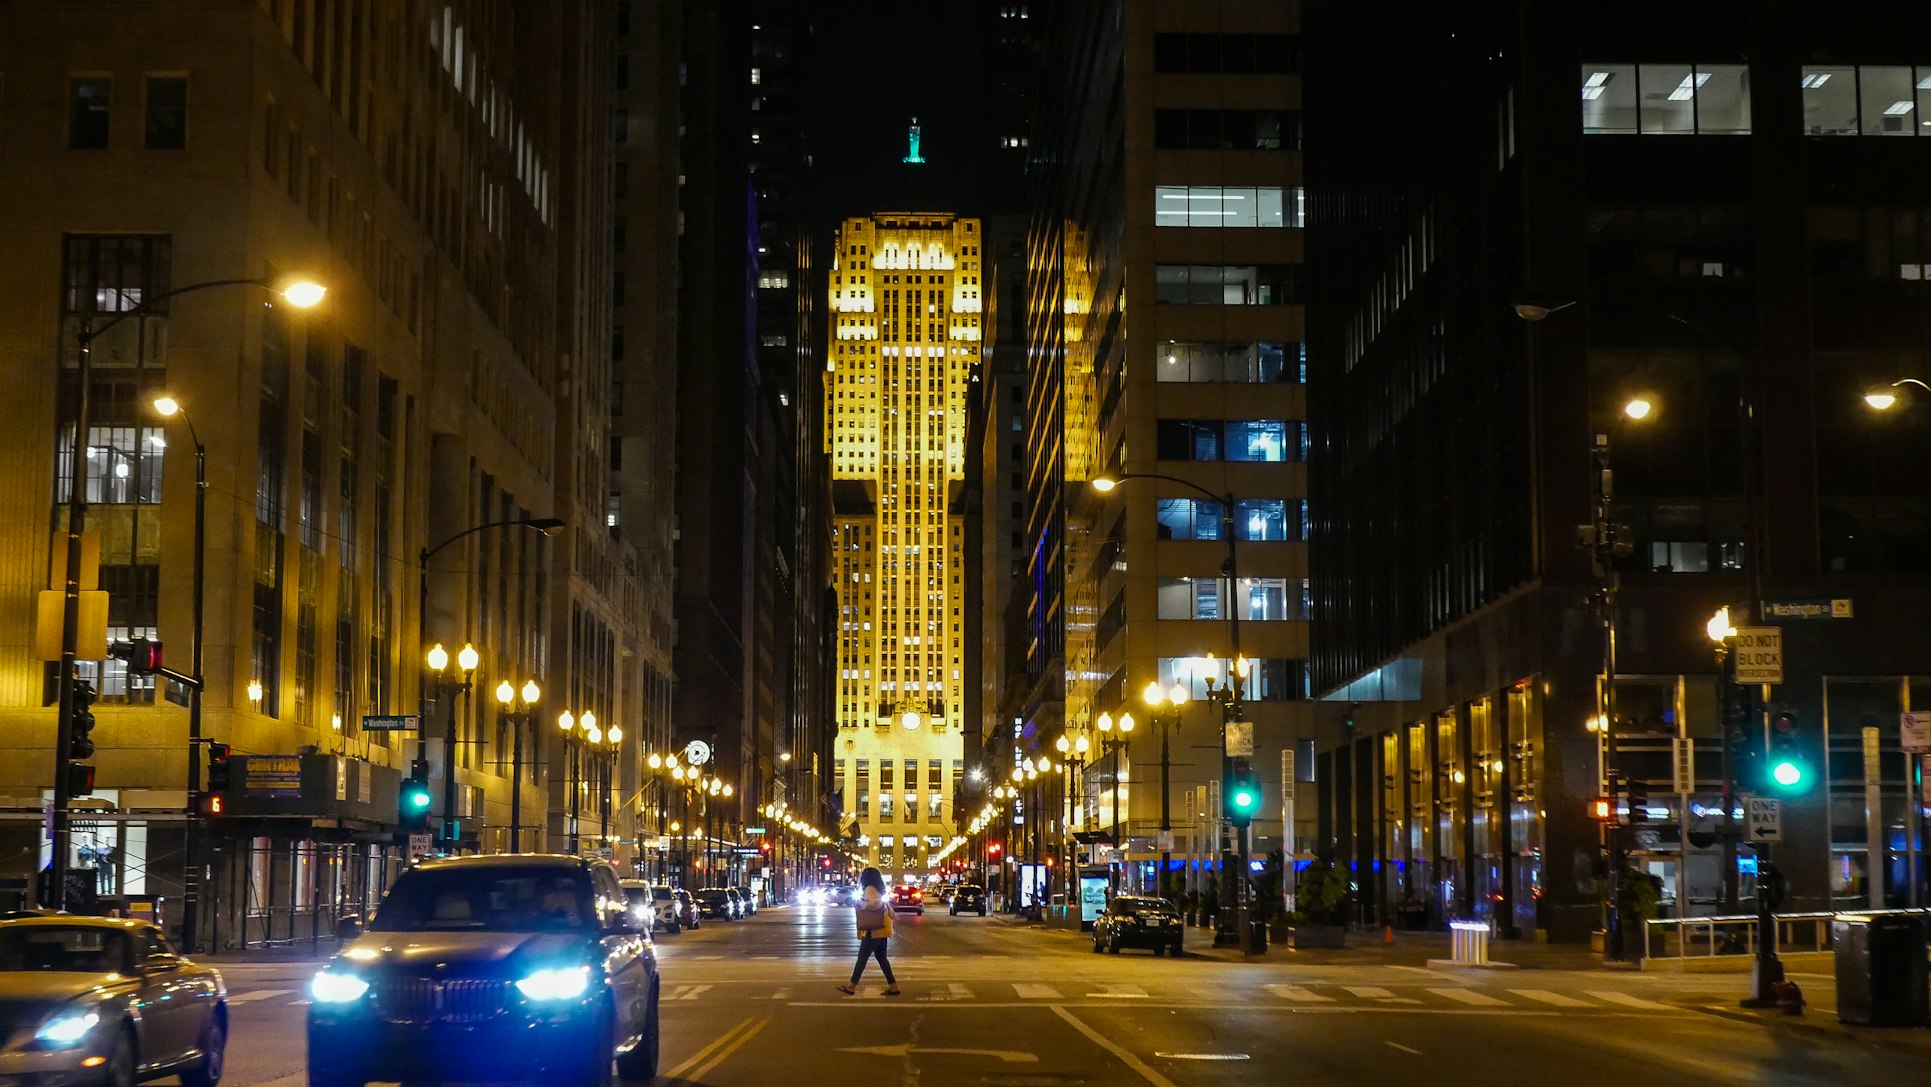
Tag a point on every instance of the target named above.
point(907, 299)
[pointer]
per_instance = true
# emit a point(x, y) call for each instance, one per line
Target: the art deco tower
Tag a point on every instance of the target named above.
point(907, 298)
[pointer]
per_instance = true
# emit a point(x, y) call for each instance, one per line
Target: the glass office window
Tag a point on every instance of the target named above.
point(1225, 206)
point(1723, 99)
point(1830, 100)
point(1241, 362)
point(1265, 519)
point(1270, 440)
point(1665, 99)
point(1187, 439)
point(1230, 285)
point(1609, 98)
point(1667, 93)
point(1265, 599)
point(1886, 100)
point(1187, 519)
point(1189, 598)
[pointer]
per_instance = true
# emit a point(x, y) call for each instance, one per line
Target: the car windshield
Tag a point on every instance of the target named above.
point(76, 949)
point(970, 891)
point(1129, 905)
point(639, 896)
point(661, 894)
point(487, 900)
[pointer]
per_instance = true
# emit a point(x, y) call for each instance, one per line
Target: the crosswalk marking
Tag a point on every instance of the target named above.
point(959, 992)
point(1369, 992)
point(1470, 997)
point(1297, 993)
point(258, 994)
point(1546, 997)
point(688, 992)
point(1121, 992)
point(1028, 990)
point(1628, 1001)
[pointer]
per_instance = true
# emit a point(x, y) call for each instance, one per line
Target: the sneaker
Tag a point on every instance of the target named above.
point(848, 990)
point(891, 990)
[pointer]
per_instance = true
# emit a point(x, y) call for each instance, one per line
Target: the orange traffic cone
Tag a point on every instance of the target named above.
point(1388, 935)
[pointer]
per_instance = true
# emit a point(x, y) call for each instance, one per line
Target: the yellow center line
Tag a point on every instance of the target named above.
point(702, 1054)
point(735, 1045)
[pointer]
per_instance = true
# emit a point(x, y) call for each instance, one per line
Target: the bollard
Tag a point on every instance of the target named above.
point(1469, 942)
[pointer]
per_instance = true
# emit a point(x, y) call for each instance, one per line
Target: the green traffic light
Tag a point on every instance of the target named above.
point(1787, 774)
point(419, 800)
point(1243, 799)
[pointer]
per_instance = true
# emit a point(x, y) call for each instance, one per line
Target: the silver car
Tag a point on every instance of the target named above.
point(89, 1001)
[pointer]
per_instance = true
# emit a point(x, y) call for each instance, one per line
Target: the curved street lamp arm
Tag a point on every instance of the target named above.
point(1910, 381)
point(147, 304)
point(1122, 477)
point(544, 523)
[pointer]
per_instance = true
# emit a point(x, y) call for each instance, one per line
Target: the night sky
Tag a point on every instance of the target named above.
point(875, 65)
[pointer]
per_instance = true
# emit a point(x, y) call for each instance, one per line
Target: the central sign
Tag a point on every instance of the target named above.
point(1763, 819)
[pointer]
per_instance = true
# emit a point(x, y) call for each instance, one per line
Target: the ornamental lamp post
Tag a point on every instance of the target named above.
point(518, 714)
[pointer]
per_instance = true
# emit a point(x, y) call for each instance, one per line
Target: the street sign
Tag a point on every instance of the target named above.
point(1684, 763)
point(1838, 608)
point(418, 846)
point(1914, 729)
point(1763, 818)
point(400, 722)
point(1240, 739)
point(1164, 842)
point(1759, 654)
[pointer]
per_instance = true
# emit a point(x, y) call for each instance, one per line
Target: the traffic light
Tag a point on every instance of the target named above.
point(80, 779)
point(1242, 789)
point(413, 804)
point(83, 742)
point(143, 655)
point(221, 772)
point(1785, 769)
point(1638, 801)
point(994, 849)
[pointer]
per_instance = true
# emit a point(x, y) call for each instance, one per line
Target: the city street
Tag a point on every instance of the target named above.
point(988, 1002)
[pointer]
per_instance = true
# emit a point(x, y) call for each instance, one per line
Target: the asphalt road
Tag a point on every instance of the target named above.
point(988, 1004)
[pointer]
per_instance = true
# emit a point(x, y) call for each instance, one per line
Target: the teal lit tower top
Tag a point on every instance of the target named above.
point(912, 137)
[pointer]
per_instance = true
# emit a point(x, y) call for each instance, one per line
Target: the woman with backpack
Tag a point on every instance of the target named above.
point(874, 916)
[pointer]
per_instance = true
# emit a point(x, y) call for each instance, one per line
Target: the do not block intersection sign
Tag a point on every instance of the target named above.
point(1759, 654)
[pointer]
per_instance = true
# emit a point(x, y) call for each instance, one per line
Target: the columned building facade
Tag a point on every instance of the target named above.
point(907, 302)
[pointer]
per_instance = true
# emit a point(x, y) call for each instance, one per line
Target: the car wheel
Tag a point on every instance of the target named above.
point(982, 911)
point(1159, 951)
point(213, 1044)
point(1114, 946)
point(1175, 950)
point(1096, 943)
point(640, 1064)
point(120, 1068)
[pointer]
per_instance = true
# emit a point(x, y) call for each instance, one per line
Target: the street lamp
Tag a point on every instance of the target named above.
point(1233, 890)
point(518, 713)
point(300, 293)
point(577, 732)
point(1882, 398)
point(467, 660)
point(1113, 742)
point(168, 408)
point(1156, 696)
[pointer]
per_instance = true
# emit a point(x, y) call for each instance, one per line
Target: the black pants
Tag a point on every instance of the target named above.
point(872, 947)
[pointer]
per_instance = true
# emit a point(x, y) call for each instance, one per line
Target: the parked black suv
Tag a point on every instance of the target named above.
point(510, 966)
point(716, 902)
point(1134, 921)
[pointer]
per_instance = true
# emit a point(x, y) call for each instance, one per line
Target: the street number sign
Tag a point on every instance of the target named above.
point(1759, 654)
point(1763, 818)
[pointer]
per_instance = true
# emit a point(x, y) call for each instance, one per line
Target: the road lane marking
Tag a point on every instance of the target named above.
point(1546, 997)
point(1028, 990)
point(1204, 1056)
point(699, 1075)
point(1297, 993)
point(1628, 1001)
point(1146, 1071)
point(258, 994)
point(1469, 996)
point(688, 992)
point(1121, 992)
point(906, 1049)
point(1403, 1048)
point(704, 1054)
point(781, 994)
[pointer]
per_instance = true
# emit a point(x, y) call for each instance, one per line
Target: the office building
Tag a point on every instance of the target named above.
point(1714, 213)
point(907, 302)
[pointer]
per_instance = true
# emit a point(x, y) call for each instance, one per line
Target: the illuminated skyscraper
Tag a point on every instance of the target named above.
point(908, 306)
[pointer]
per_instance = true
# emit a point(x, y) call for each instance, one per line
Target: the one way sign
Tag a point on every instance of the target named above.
point(1763, 819)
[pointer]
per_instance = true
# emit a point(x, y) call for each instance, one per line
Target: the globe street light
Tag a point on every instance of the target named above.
point(467, 660)
point(519, 715)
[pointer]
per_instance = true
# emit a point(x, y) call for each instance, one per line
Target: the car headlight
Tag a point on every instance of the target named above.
point(559, 983)
point(67, 1028)
point(329, 987)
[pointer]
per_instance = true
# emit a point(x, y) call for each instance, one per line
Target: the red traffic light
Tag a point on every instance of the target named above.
point(143, 655)
point(994, 848)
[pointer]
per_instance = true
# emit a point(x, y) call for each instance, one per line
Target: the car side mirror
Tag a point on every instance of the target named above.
point(348, 927)
point(160, 963)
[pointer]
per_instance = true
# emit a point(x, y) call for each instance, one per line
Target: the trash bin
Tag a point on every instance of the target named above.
point(1881, 974)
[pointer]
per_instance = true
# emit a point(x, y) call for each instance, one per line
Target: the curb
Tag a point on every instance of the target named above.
point(1898, 1039)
